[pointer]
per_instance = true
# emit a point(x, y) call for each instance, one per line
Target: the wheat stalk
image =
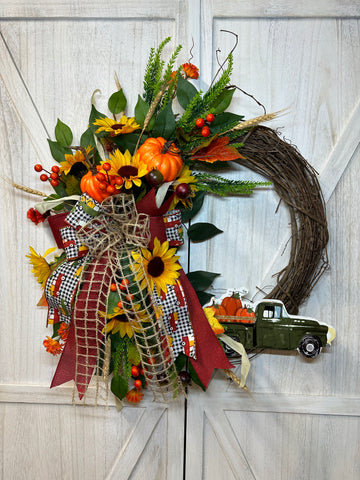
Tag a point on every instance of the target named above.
point(151, 111)
point(255, 121)
point(235, 379)
point(25, 189)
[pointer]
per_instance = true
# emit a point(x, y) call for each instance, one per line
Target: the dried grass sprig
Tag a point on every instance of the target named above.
point(151, 112)
point(255, 121)
point(32, 191)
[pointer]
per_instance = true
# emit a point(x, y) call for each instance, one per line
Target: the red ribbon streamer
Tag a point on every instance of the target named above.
point(209, 352)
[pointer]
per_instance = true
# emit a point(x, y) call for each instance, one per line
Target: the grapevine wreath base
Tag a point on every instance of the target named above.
point(296, 183)
point(120, 305)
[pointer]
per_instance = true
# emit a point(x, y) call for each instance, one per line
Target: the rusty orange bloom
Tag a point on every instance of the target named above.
point(190, 70)
point(63, 330)
point(134, 395)
point(52, 346)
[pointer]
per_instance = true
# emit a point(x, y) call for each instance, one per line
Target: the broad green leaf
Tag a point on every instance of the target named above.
point(197, 202)
point(117, 102)
point(222, 102)
point(224, 121)
point(198, 232)
point(87, 138)
point(133, 355)
point(58, 151)
point(185, 92)
point(113, 299)
point(94, 115)
point(63, 134)
point(119, 386)
point(201, 280)
point(204, 297)
point(194, 377)
point(72, 185)
point(141, 110)
point(165, 124)
point(128, 141)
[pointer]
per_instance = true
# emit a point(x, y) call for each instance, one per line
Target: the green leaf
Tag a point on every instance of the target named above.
point(201, 280)
point(72, 185)
point(194, 376)
point(204, 297)
point(141, 110)
point(198, 232)
point(128, 141)
point(63, 134)
point(133, 354)
point(94, 115)
point(58, 151)
point(185, 92)
point(117, 102)
point(112, 299)
point(87, 138)
point(197, 202)
point(222, 102)
point(165, 124)
point(224, 121)
point(119, 386)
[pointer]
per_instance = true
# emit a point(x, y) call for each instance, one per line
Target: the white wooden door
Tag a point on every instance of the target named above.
point(302, 418)
point(53, 56)
point(302, 55)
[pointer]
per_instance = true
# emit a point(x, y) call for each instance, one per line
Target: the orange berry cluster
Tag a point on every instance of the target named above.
point(200, 123)
point(53, 176)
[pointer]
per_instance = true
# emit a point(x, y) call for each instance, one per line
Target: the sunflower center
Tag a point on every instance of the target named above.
point(127, 171)
point(117, 126)
point(156, 267)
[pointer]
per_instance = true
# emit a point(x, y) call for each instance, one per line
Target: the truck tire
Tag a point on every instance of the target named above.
point(310, 346)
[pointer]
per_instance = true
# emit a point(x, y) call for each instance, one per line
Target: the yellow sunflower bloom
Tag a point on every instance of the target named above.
point(159, 267)
point(41, 268)
point(119, 322)
point(127, 167)
point(214, 323)
point(116, 127)
point(70, 160)
point(184, 177)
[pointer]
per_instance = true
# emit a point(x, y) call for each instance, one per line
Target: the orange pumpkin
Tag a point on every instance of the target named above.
point(90, 184)
point(158, 154)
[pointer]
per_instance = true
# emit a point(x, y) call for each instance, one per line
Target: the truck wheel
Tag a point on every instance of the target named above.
point(310, 347)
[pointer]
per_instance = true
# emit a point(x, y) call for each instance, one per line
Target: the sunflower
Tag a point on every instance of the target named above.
point(119, 322)
point(116, 127)
point(217, 328)
point(184, 177)
point(70, 160)
point(127, 167)
point(41, 268)
point(159, 267)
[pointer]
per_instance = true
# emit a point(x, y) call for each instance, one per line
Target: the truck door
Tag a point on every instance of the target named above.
point(272, 328)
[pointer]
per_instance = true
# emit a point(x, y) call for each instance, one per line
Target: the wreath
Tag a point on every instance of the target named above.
point(123, 312)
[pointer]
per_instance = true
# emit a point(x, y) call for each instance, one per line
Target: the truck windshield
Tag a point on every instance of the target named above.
point(285, 314)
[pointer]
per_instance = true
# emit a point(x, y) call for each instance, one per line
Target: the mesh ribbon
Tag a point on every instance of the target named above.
point(112, 237)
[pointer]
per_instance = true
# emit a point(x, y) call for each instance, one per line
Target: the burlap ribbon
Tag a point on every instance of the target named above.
point(112, 237)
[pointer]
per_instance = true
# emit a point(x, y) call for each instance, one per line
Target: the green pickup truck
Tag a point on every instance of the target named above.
point(272, 327)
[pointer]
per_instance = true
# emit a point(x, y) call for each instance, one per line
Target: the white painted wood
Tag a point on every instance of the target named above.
point(53, 56)
point(303, 55)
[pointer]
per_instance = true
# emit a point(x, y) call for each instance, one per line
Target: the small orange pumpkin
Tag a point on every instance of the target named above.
point(90, 184)
point(158, 154)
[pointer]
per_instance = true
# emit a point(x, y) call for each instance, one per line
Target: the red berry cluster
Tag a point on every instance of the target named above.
point(104, 180)
point(53, 176)
point(138, 374)
point(200, 123)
